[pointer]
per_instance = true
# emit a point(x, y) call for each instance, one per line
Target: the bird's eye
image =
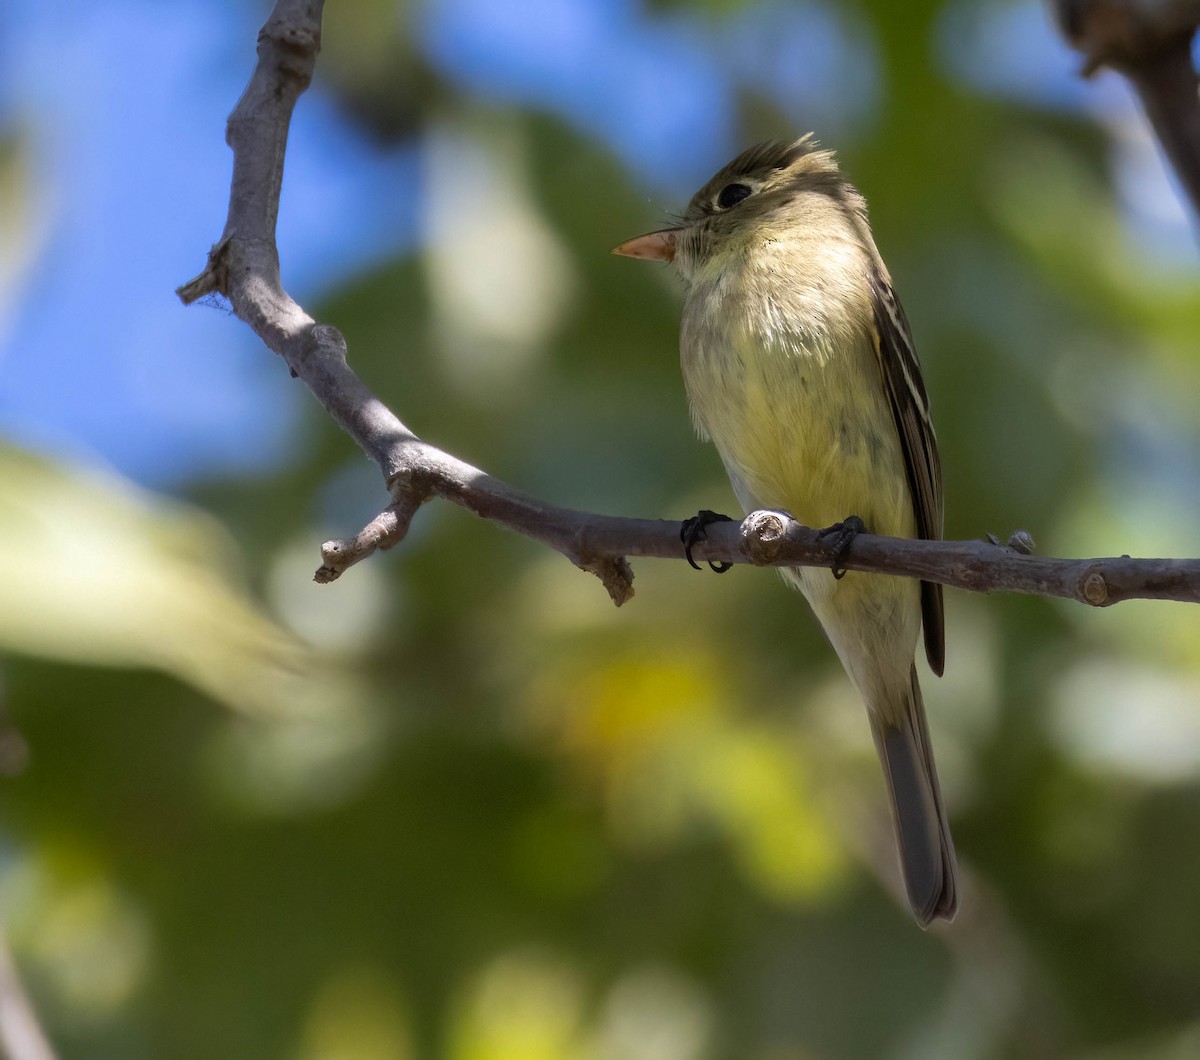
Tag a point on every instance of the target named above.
point(732, 194)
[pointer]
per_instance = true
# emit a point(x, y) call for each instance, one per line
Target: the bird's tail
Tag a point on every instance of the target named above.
point(926, 849)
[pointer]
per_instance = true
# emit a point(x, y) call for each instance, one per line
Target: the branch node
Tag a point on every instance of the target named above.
point(299, 39)
point(615, 574)
point(326, 339)
point(212, 280)
point(1095, 589)
point(298, 42)
point(412, 484)
point(1021, 541)
point(764, 534)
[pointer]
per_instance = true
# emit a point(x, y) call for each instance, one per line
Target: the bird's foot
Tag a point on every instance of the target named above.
point(692, 533)
point(843, 535)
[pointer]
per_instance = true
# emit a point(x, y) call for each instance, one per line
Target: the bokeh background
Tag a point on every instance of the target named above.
point(457, 805)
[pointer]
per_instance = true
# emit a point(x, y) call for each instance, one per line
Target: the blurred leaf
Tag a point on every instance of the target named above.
point(357, 1015)
point(107, 574)
point(523, 1007)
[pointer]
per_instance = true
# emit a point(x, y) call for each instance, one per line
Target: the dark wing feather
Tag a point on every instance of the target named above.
point(910, 409)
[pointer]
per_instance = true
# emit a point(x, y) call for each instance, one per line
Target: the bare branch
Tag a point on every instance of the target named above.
point(244, 264)
point(1150, 43)
point(771, 538)
point(244, 267)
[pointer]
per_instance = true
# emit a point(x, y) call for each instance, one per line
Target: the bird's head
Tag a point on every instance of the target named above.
point(759, 195)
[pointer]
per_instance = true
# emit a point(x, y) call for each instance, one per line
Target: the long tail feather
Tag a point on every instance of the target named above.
point(922, 833)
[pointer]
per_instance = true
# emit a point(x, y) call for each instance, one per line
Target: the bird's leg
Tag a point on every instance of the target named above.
point(843, 535)
point(692, 533)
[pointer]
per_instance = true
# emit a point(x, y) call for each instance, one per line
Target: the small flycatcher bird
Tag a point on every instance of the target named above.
point(800, 368)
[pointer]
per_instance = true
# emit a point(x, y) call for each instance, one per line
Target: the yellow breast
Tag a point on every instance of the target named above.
point(798, 414)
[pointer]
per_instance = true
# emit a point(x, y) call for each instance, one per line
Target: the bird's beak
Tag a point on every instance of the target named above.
point(653, 246)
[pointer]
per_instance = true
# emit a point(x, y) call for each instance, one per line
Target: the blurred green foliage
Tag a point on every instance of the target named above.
point(456, 805)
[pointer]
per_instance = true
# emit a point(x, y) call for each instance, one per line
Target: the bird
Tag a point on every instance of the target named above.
point(799, 367)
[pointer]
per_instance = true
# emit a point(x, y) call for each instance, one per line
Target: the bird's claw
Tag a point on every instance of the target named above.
point(843, 535)
point(691, 533)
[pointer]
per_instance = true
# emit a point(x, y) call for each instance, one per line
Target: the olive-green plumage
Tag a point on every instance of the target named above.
point(799, 367)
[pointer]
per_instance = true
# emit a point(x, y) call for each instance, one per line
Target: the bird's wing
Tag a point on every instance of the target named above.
point(910, 409)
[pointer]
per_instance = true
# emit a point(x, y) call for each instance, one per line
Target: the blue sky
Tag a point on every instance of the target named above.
point(129, 175)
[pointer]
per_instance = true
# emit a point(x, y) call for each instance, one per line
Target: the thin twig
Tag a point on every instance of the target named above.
point(244, 267)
